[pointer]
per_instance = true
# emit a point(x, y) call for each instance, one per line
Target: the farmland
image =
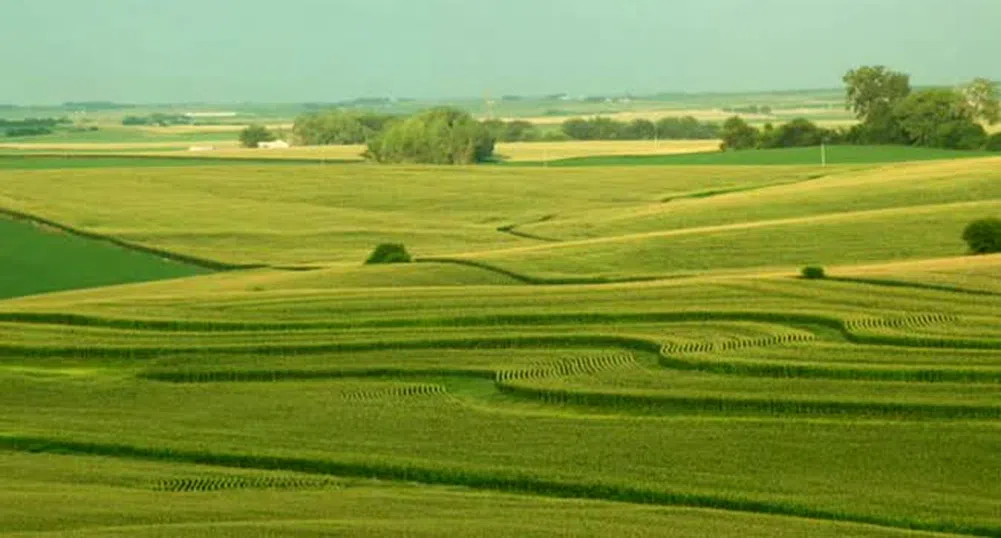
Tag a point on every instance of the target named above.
point(589, 350)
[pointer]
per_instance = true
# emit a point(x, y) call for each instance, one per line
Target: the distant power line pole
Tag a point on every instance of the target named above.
point(823, 154)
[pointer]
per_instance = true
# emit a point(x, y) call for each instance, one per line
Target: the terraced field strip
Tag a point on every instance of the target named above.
point(63, 500)
point(512, 483)
point(206, 483)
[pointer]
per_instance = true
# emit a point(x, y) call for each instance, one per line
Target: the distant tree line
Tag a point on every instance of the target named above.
point(343, 127)
point(31, 126)
point(515, 131)
point(437, 136)
point(889, 112)
point(602, 128)
point(339, 127)
point(749, 109)
point(158, 120)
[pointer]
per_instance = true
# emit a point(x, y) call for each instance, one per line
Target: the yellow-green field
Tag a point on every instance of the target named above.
point(590, 351)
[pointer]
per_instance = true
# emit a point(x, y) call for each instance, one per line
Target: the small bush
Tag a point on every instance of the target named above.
point(813, 272)
point(983, 236)
point(389, 253)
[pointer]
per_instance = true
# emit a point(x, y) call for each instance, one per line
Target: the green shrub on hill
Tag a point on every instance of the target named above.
point(389, 253)
point(983, 236)
point(813, 272)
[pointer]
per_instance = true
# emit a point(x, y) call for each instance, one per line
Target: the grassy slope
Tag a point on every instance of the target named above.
point(909, 211)
point(36, 260)
point(315, 214)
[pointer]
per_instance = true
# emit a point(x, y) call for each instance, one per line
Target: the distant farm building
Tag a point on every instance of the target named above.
point(206, 115)
point(201, 148)
point(277, 144)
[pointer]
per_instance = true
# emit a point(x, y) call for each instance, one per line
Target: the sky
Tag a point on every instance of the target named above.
point(284, 51)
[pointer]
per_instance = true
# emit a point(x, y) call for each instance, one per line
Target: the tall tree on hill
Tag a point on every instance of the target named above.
point(873, 91)
point(983, 98)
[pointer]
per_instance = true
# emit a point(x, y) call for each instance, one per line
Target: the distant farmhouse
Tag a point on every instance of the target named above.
point(208, 115)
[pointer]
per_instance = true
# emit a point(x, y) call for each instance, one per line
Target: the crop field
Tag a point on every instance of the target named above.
point(586, 351)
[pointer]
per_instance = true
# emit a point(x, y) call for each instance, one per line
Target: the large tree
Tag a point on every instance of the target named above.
point(983, 98)
point(873, 91)
point(737, 134)
point(437, 136)
point(799, 132)
point(939, 118)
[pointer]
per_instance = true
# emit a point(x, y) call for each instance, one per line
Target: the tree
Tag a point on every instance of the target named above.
point(437, 136)
point(983, 236)
point(993, 142)
point(799, 132)
point(872, 91)
point(598, 128)
point(338, 127)
point(639, 129)
point(982, 97)
point(521, 131)
point(686, 128)
point(939, 118)
point(512, 131)
point(738, 135)
point(252, 135)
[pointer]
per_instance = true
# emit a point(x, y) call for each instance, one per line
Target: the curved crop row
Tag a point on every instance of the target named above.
point(918, 320)
point(584, 365)
point(785, 369)
point(785, 337)
point(218, 483)
point(711, 404)
point(408, 390)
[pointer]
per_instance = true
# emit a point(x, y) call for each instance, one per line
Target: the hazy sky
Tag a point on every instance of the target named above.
point(325, 50)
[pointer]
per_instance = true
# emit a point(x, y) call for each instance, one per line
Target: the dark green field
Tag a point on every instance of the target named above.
point(38, 260)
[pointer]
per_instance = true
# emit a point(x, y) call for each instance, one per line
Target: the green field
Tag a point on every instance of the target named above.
point(586, 351)
point(38, 260)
